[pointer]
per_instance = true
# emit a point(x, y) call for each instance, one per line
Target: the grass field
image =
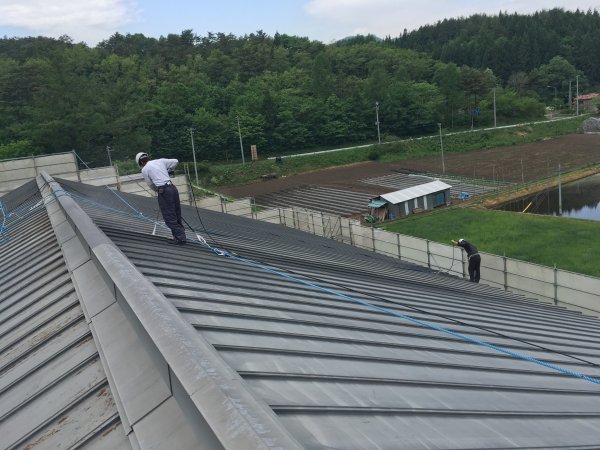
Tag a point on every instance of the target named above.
point(571, 244)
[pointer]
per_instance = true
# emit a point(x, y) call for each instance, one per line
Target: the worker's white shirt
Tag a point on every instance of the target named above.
point(156, 171)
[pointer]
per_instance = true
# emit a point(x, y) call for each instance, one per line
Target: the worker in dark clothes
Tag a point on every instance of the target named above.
point(473, 257)
point(157, 172)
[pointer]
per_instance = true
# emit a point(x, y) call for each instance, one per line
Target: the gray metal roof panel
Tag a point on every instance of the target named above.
point(341, 374)
point(216, 408)
point(53, 389)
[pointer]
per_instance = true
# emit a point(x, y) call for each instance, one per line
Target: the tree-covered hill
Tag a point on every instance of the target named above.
point(512, 43)
point(287, 93)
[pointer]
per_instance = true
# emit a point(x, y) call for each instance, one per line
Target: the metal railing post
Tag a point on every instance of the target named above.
point(555, 285)
point(428, 255)
point(505, 273)
point(373, 237)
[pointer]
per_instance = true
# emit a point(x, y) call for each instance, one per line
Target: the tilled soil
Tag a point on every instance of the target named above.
point(518, 163)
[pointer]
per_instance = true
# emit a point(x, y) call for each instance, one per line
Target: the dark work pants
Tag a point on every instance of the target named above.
point(168, 201)
point(474, 265)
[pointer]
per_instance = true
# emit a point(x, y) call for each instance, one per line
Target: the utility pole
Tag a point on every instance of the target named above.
point(241, 145)
point(194, 155)
point(108, 150)
point(377, 121)
point(559, 193)
point(577, 94)
point(442, 147)
point(494, 106)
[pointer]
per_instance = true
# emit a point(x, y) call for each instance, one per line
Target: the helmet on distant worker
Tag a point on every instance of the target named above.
point(141, 158)
point(461, 240)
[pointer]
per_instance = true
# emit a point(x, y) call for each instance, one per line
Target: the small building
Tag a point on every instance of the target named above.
point(410, 200)
point(588, 102)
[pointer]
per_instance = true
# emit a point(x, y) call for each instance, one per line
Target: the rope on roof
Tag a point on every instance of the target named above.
point(140, 215)
point(417, 321)
point(111, 190)
point(26, 209)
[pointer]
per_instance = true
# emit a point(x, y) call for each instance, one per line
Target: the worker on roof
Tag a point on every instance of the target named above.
point(157, 173)
point(473, 257)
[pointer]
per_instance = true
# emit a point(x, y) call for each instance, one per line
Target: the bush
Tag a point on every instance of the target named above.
point(374, 154)
point(17, 149)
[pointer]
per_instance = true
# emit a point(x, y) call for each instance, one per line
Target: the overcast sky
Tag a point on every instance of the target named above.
point(91, 21)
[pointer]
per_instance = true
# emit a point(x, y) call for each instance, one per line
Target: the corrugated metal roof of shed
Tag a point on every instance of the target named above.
point(341, 375)
point(411, 193)
point(53, 389)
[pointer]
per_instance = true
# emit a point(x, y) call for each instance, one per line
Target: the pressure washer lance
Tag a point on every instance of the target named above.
point(155, 225)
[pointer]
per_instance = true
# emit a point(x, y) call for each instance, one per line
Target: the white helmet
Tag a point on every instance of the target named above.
point(461, 240)
point(139, 157)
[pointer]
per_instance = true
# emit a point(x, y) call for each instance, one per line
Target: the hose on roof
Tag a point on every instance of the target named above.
point(111, 190)
point(25, 210)
point(278, 272)
point(417, 321)
point(406, 317)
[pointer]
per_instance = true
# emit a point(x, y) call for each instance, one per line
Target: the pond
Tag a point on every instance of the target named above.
point(580, 200)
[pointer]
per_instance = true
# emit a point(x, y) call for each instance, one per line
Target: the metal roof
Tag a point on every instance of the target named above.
point(411, 193)
point(54, 392)
point(376, 203)
point(292, 340)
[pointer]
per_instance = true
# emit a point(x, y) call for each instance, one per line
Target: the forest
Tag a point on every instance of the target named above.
point(286, 93)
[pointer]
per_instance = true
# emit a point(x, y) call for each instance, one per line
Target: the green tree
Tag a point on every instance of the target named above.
point(17, 149)
point(447, 78)
point(411, 108)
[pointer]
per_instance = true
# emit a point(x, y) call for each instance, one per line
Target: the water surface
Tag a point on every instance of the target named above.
point(580, 200)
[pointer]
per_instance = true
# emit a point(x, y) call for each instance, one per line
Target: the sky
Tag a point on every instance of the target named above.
point(92, 21)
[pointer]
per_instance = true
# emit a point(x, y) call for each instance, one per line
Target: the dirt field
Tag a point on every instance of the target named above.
point(517, 163)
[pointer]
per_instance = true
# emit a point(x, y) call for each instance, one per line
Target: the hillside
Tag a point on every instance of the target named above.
point(512, 43)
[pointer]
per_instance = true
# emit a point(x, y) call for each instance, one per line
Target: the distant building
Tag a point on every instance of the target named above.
point(588, 102)
point(410, 200)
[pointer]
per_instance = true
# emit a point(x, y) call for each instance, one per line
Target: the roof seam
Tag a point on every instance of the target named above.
point(199, 369)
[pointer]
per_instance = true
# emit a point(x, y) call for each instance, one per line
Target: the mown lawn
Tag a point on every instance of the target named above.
point(571, 244)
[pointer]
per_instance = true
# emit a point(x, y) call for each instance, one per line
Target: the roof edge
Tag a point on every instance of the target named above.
point(219, 394)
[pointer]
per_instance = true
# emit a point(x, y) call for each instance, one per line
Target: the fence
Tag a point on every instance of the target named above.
point(548, 284)
point(18, 171)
